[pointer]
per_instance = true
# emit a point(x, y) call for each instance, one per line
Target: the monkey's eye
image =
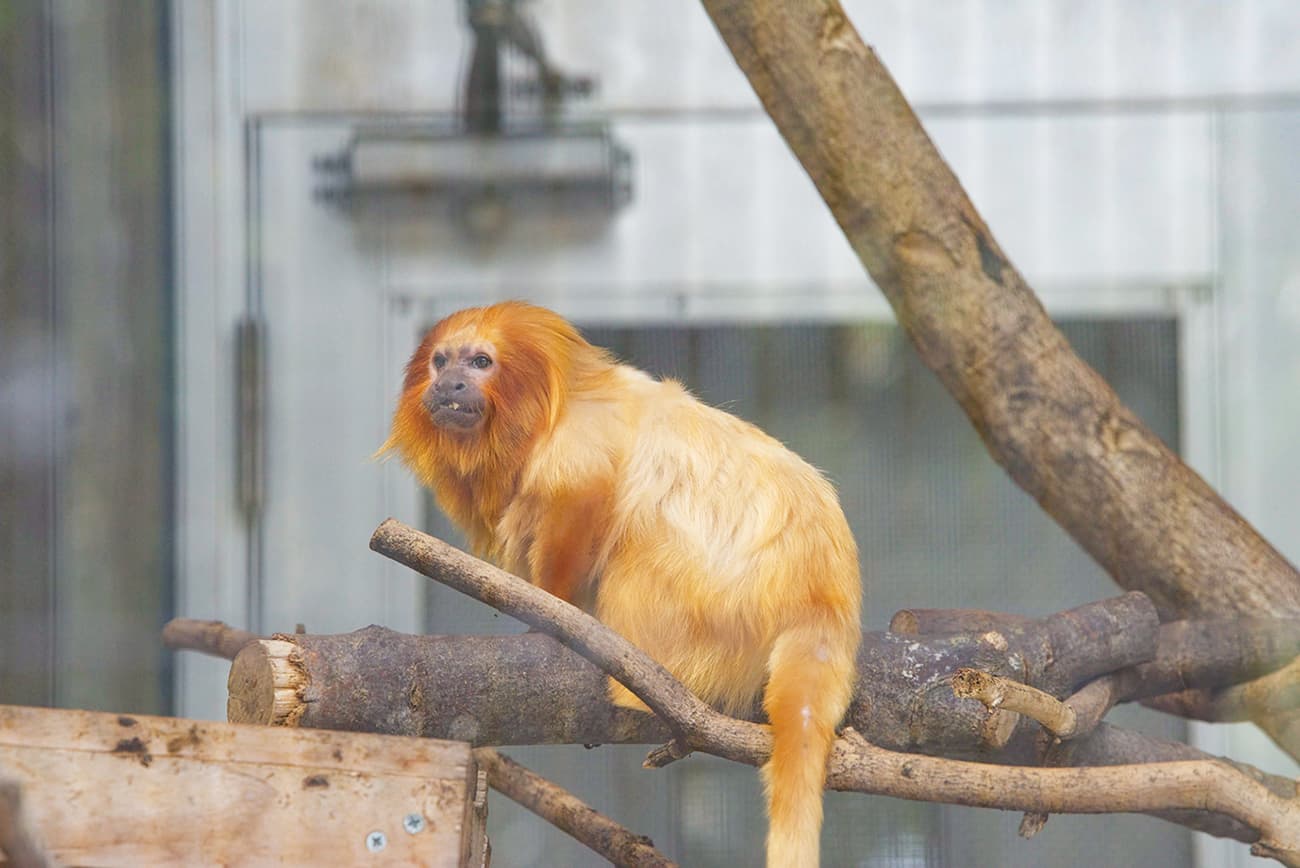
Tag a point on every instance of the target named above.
point(439, 361)
point(481, 361)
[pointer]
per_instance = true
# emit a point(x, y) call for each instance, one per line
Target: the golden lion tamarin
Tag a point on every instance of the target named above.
point(705, 542)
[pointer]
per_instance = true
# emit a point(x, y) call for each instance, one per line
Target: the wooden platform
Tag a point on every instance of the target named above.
point(125, 789)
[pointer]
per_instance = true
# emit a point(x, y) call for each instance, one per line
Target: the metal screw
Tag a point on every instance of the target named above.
point(413, 823)
point(376, 841)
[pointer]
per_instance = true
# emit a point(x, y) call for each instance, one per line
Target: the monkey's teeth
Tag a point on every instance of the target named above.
point(453, 405)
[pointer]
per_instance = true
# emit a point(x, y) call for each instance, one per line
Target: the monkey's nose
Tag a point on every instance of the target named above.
point(448, 385)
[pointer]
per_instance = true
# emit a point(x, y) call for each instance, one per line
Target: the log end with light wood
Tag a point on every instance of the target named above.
point(266, 684)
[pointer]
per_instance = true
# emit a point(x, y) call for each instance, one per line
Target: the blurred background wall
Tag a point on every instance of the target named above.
point(86, 374)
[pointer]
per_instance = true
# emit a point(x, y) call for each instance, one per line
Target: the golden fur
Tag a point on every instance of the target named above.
point(702, 540)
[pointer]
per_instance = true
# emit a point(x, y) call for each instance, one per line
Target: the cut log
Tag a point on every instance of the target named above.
point(528, 689)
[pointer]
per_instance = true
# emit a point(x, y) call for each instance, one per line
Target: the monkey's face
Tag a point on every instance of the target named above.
point(456, 397)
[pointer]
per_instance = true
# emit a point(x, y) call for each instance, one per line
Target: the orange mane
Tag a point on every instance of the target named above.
point(539, 355)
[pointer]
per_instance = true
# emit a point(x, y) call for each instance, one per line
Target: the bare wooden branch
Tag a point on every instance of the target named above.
point(1088, 705)
point(487, 690)
point(18, 842)
point(565, 811)
point(1195, 654)
point(1191, 653)
point(1091, 702)
point(861, 767)
point(855, 764)
point(1057, 717)
point(208, 637)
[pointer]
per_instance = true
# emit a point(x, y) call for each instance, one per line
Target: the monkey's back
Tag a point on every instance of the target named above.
point(721, 539)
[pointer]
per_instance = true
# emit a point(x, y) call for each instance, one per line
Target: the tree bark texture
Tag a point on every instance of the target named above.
point(530, 689)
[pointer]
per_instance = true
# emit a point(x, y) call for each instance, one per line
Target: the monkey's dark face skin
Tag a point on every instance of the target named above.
point(455, 398)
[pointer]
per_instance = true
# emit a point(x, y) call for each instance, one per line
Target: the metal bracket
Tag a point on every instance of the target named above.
point(250, 396)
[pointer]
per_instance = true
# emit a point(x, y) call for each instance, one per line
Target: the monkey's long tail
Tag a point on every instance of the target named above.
point(808, 690)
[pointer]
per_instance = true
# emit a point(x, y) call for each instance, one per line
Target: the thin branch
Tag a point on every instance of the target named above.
point(568, 813)
point(855, 764)
point(1210, 785)
point(1078, 716)
point(666, 754)
point(208, 637)
point(997, 692)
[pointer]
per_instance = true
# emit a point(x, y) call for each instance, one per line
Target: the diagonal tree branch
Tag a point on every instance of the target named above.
point(701, 726)
point(1047, 417)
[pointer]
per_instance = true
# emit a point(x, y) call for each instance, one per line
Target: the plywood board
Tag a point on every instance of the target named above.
point(110, 789)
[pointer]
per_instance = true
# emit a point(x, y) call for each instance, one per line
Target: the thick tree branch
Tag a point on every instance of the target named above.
point(565, 811)
point(1047, 417)
point(529, 689)
point(1222, 655)
point(1277, 693)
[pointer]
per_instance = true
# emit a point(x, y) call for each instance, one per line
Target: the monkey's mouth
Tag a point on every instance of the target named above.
point(448, 413)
